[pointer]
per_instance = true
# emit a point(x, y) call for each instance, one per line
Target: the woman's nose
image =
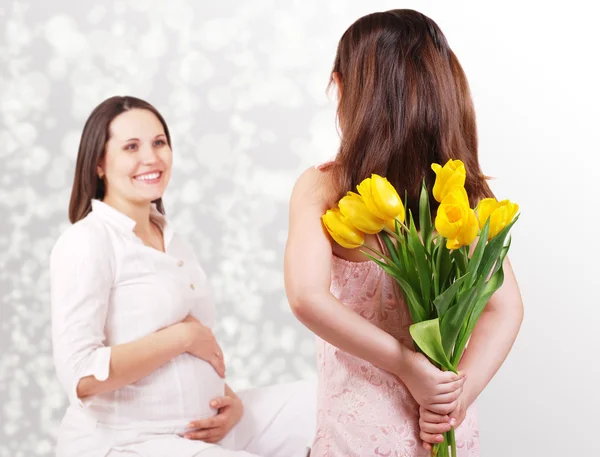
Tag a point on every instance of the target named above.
point(148, 154)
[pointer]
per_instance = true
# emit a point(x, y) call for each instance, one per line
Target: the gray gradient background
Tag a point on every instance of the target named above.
point(242, 86)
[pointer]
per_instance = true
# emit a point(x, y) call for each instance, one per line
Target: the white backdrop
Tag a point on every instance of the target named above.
point(242, 86)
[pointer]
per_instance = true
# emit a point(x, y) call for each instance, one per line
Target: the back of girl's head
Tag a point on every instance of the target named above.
point(405, 104)
point(86, 184)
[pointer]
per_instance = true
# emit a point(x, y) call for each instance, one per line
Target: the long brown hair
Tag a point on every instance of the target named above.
point(87, 185)
point(405, 104)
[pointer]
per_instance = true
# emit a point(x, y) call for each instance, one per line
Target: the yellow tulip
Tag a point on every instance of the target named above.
point(340, 229)
point(390, 224)
point(448, 177)
point(467, 234)
point(353, 208)
point(381, 198)
point(500, 213)
point(455, 220)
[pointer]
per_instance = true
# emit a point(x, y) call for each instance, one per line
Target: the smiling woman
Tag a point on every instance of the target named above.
point(132, 314)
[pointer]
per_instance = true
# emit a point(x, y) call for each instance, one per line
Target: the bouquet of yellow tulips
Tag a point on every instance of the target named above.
point(446, 286)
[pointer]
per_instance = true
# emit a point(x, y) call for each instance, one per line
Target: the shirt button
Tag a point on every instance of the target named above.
point(180, 263)
point(192, 286)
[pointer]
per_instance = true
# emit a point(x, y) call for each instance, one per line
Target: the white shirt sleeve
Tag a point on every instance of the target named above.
point(81, 276)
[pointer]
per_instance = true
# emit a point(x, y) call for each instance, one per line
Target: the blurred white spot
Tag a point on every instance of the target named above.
point(70, 144)
point(191, 192)
point(57, 67)
point(16, 34)
point(288, 339)
point(153, 43)
point(230, 325)
point(195, 68)
point(36, 160)
point(37, 88)
point(61, 32)
point(119, 7)
point(96, 14)
point(268, 136)
point(307, 348)
point(214, 151)
point(177, 14)
point(43, 447)
point(184, 101)
point(277, 186)
point(220, 98)
point(56, 177)
point(242, 126)
point(25, 133)
point(218, 32)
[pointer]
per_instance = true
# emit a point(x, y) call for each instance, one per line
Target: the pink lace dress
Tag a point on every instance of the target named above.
point(364, 411)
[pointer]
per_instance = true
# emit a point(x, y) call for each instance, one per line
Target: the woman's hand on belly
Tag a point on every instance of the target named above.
point(201, 343)
point(214, 429)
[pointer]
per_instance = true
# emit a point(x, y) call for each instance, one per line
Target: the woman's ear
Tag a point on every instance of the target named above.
point(100, 172)
point(337, 79)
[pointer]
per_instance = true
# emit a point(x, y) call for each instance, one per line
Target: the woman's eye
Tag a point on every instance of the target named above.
point(159, 143)
point(131, 147)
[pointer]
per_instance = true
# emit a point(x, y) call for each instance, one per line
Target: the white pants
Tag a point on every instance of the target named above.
point(278, 421)
point(268, 429)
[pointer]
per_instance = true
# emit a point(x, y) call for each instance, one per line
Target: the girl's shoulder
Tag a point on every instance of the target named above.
point(325, 166)
point(315, 186)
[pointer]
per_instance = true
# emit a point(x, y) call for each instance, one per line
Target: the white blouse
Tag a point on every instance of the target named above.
point(108, 288)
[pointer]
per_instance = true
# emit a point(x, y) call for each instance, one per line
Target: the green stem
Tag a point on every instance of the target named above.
point(376, 252)
point(460, 347)
point(445, 446)
point(465, 253)
point(452, 440)
point(393, 234)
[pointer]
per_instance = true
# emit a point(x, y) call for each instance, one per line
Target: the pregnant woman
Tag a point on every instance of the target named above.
point(132, 314)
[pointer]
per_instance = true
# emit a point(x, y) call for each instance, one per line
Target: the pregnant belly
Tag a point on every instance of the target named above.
point(179, 391)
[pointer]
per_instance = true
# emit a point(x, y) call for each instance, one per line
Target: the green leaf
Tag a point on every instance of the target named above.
point(410, 271)
point(427, 336)
point(436, 269)
point(455, 318)
point(493, 250)
point(485, 293)
point(391, 248)
point(425, 218)
point(442, 301)
point(421, 262)
point(494, 283)
point(478, 253)
point(446, 265)
point(398, 227)
point(390, 269)
point(415, 307)
point(459, 259)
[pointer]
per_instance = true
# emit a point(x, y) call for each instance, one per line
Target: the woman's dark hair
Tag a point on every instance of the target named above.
point(405, 104)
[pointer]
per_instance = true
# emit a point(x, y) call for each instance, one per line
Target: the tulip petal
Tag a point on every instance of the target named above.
point(448, 220)
point(485, 209)
point(353, 208)
point(469, 229)
point(341, 230)
point(452, 244)
point(448, 178)
point(386, 198)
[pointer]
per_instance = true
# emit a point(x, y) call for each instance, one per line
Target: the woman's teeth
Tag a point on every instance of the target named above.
point(148, 177)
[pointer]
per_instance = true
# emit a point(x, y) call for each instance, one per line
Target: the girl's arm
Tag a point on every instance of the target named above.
point(493, 336)
point(307, 282)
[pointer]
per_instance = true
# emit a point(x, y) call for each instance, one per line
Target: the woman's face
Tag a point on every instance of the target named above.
point(137, 162)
